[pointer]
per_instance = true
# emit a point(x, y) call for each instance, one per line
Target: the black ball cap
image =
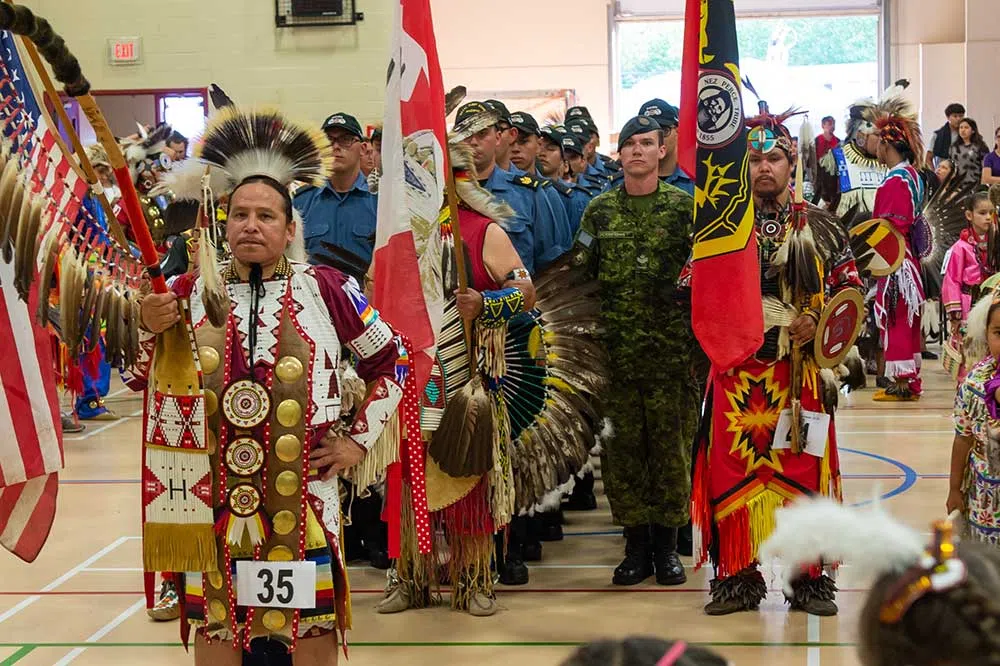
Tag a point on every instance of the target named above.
point(662, 112)
point(576, 112)
point(345, 122)
point(499, 108)
point(525, 122)
point(571, 143)
point(637, 125)
point(579, 129)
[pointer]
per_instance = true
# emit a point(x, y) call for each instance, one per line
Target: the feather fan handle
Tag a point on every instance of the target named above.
point(820, 529)
point(246, 143)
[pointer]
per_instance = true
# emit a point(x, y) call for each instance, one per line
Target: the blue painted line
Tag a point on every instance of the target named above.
point(910, 475)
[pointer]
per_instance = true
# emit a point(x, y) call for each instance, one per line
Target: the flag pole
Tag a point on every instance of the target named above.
point(89, 174)
point(22, 21)
point(456, 231)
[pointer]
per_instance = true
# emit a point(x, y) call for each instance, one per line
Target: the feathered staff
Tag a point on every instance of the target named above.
point(22, 21)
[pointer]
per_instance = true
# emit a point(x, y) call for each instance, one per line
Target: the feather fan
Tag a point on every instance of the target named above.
point(820, 529)
point(945, 215)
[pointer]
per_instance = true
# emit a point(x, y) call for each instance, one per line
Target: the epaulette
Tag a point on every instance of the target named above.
point(560, 186)
point(527, 181)
point(298, 187)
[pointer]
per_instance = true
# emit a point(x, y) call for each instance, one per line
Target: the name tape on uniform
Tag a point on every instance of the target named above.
point(276, 584)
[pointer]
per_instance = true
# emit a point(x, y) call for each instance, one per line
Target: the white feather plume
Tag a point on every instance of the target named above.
point(184, 181)
point(815, 529)
point(296, 250)
point(974, 345)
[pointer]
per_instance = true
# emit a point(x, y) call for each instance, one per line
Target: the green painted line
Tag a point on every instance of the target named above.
point(18, 656)
point(757, 644)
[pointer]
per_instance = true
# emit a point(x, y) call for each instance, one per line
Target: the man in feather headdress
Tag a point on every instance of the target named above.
point(745, 468)
point(635, 240)
point(467, 507)
point(244, 432)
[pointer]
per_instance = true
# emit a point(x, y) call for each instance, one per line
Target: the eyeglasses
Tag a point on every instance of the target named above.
point(344, 140)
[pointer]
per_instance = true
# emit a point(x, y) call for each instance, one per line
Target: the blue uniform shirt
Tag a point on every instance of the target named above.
point(538, 233)
point(680, 180)
point(346, 220)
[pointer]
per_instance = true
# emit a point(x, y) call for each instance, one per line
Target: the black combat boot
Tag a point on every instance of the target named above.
point(638, 563)
point(531, 549)
point(510, 561)
point(582, 498)
point(685, 541)
point(666, 561)
point(551, 525)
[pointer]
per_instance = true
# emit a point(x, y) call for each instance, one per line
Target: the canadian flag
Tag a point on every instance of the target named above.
point(409, 289)
point(408, 283)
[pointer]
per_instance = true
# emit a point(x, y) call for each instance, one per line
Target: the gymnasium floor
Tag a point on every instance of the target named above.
point(81, 601)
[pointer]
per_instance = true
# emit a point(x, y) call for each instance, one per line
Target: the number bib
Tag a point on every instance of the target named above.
point(276, 584)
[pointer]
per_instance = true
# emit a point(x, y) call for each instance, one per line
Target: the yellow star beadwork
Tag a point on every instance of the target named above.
point(755, 405)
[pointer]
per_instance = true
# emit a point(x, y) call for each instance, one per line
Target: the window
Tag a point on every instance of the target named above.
point(820, 64)
point(184, 112)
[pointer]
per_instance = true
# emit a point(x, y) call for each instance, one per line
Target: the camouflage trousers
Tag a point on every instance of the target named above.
point(646, 463)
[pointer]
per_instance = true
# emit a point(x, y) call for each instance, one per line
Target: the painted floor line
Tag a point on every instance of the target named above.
point(102, 632)
point(501, 644)
point(18, 656)
point(444, 590)
point(62, 579)
point(812, 635)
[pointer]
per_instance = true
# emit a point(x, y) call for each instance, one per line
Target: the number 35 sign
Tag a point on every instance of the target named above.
point(276, 584)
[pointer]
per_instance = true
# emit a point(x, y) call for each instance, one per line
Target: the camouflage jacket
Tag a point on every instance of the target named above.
point(637, 254)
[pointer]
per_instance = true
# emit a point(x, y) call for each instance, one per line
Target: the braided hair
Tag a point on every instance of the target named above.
point(639, 651)
point(958, 626)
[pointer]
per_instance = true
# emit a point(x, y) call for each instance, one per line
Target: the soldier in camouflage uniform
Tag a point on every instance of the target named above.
point(637, 238)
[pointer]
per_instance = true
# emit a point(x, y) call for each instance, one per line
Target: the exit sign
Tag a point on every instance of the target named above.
point(125, 50)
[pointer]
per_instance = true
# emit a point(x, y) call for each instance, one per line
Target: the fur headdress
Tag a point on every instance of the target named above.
point(97, 155)
point(768, 131)
point(144, 146)
point(896, 123)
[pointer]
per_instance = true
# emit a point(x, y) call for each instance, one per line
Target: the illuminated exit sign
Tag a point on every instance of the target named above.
point(125, 50)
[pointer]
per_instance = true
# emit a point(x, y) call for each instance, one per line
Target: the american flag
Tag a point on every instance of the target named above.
point(31, 448)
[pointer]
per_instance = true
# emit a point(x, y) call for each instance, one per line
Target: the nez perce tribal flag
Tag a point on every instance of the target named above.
point(726, 311)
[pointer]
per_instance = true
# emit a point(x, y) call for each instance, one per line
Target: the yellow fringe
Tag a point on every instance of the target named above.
point(471, 556)
point(414, 568)
point(171, 547)
point(761, 509)
point(385, 452)
point(501, 478)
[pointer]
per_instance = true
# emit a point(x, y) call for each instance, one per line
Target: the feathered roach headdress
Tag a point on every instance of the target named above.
point(246, 143)
point(812, 530)
point(896, 123)
point(143, 147)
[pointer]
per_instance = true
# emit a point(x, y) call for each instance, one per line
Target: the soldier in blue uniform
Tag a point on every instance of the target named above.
point(508, 135)
point(524, 155)
point(587, 175)
point(552, 165)
point(343, 211)
point(540, 234)
point(666, 115)
point(602, 163)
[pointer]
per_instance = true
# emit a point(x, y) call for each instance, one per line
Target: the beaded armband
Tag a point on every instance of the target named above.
point(501, 306)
